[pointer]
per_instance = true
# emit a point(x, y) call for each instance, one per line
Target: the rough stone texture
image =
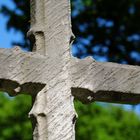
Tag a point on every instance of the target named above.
point(107, 82)
point(53, 108)
point(50, 74)
point(45, 71)
point(20, 71)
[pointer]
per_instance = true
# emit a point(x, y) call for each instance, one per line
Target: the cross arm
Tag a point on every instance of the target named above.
point(19, 71)
point(107, 82)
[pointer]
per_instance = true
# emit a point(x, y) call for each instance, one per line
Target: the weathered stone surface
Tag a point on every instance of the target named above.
point(21, 66)
point(108, 82)
point(50, 74)
point(19, 71)
point(53, 108)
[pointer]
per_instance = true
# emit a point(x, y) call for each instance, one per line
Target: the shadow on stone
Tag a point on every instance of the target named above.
point(13, 87)
point(86, 96)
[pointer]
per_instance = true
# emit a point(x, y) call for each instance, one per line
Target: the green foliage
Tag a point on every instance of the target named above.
point(14, 123)
point(106, 123)
point(95, 121)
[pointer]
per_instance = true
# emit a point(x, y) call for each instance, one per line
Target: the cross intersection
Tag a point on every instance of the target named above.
point(53, 77)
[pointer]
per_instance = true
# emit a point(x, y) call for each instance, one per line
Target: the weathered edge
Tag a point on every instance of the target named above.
point(12, 76)
point(53, 109)
point(107, 82)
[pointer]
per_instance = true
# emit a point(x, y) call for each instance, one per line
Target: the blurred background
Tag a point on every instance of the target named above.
point(107, 30)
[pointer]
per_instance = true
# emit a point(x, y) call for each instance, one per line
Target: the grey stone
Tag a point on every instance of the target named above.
point(51, 75)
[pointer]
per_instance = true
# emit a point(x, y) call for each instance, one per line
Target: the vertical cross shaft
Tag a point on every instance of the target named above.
point(50, 74)
point(53, 109)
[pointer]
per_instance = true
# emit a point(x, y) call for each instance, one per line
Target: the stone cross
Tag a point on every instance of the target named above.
point(53, 77)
